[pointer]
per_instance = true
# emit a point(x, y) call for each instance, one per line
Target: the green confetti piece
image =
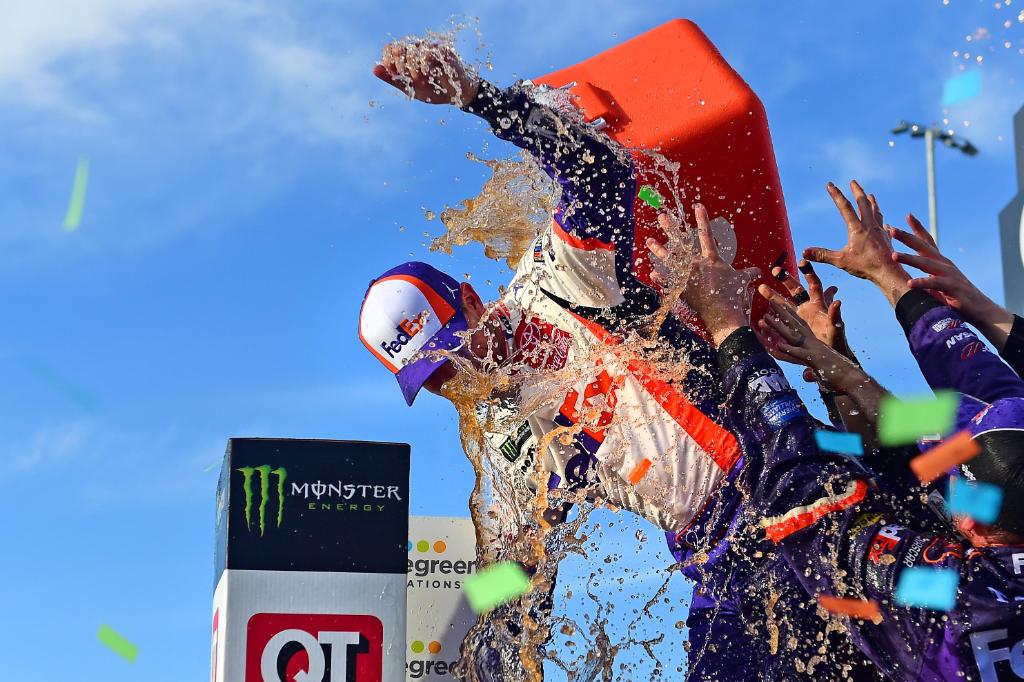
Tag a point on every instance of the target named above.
point(496, 585)
point(651, 197)
point(904, 421)
point(77, 203)
point(120, 646)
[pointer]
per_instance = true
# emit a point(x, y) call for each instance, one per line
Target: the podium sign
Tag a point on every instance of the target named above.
point(442, 555)
point(310, 562)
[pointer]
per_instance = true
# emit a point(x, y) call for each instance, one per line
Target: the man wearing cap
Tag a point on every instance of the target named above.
point(568, 340)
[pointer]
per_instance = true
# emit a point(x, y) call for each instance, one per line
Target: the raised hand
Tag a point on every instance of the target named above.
point(716, 291)
point(818, 307)
point(788, 337)
point(429, 71)
point(868, 251)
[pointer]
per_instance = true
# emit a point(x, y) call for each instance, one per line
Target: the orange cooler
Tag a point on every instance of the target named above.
point(669, 90)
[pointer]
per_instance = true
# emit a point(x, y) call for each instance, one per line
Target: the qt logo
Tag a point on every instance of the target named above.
point(282, 647)
point(264, 472)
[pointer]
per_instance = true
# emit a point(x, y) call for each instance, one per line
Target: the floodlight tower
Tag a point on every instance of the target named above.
point(930, 134)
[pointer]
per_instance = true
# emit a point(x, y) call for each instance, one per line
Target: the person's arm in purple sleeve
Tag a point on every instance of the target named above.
point(1004, 330)
point(950, 354)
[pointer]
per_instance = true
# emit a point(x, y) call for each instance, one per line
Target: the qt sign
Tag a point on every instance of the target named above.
point(283, 647)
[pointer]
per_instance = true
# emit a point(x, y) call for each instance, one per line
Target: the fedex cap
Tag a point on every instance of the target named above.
point(411, 308)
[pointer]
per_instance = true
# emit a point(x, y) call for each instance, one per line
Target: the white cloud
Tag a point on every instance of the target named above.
point(48, 448)
point(36, 36)
point(851, 158)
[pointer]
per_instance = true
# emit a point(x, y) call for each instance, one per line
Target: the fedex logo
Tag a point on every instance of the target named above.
point(407, 329)
point(987, 656)
point(284, 647)
point(885, 541)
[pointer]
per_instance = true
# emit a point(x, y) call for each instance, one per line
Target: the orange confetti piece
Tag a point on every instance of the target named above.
point(865, 609)
point(640, 471)
point(952, 452)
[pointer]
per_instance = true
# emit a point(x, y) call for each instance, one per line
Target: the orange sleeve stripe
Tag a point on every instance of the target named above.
point(589, 244)
point(780, 527)
point(717, 441)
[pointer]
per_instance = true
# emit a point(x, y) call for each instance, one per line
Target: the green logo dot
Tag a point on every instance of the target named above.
point(423, 546)
point(417, 647)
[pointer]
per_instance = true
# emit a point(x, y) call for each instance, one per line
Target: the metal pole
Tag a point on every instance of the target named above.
point(933, 211)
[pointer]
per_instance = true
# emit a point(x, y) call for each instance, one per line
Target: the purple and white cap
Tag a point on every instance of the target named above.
point(407, 311)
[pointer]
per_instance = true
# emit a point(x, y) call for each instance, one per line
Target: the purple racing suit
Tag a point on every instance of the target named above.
point(749, 619)
point(839, 536)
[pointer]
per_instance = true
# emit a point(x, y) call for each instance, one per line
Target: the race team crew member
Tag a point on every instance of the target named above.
point(821, 508)
point(572, 298)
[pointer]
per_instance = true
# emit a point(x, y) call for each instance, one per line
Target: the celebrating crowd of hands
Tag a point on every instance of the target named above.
point(806, 328)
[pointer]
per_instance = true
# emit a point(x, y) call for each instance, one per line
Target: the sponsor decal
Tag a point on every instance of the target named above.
point(263, 473)
point(542, 345)
point(435, 573)
point(972, 349)
point(284, 647)
point(992, 658)
point(767, 381)
point(407, 330)
point(884, 542)
point(957, 338)
point(780, 411)
point(981, 415)
point(1018, 563)
point(946, 323)
point(419, 666)
point(913, 551)
point(538, 253)
point(940, 549)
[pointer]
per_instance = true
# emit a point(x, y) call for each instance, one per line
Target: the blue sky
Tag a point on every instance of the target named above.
point(243, 191)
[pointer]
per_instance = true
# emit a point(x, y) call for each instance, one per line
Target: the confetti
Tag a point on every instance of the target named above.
point(77, 203)
point(960, 88)
point(927, 588)
point(864, 609)
point(649, 196)
point(981, 501)
point(120, 646)
point(640, 471)
point(838, 441)
point(496, 585)
point(950, 453)
point(904, 421)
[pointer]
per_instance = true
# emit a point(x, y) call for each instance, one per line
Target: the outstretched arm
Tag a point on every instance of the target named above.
point(950, 356)
point(944, 280)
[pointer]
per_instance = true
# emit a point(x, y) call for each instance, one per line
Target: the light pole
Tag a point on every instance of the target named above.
point(930, 134)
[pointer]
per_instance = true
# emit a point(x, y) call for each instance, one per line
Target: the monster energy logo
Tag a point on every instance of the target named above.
point(265, 472)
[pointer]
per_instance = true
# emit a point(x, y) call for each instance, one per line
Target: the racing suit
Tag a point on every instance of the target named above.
point(601, 409)
point(839, 536)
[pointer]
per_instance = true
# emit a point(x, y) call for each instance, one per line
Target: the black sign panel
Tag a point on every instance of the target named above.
point(313, 505)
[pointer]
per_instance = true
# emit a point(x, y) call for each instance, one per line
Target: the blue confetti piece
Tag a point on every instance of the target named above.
point(980, 501)
point(962, 87)
point(838, 441)
point(927, 588)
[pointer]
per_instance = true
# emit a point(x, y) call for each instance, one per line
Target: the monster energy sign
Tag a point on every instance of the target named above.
point(264, 471)
point(312, 505)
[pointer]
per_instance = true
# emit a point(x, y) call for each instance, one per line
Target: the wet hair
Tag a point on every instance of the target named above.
point(1001, 463)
